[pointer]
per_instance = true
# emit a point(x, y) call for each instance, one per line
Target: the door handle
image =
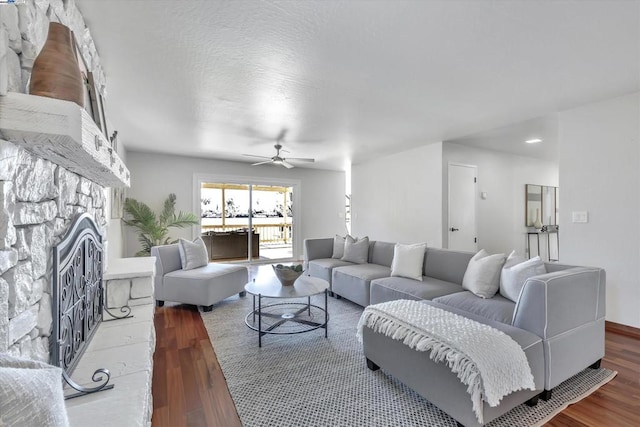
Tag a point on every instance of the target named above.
point(454, 229)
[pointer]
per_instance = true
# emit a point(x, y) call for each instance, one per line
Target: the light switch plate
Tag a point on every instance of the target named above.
point(580, 217)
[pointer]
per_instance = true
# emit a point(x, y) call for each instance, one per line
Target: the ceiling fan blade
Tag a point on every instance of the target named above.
point(286, 164)
point(301, 159)
point(259, 157)
point(261, 163)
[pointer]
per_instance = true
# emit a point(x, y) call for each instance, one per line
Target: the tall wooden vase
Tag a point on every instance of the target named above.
point(56, 73)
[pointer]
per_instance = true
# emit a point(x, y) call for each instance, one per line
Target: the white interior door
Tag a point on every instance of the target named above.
point(462, 207)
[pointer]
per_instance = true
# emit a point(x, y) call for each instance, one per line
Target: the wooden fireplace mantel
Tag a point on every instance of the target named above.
point(64, 133)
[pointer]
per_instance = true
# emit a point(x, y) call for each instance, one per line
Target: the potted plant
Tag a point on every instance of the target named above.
point(153, 230)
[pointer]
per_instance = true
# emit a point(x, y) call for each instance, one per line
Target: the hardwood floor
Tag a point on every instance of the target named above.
point(189, 388)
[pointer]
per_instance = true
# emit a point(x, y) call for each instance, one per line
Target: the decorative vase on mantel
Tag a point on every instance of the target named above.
point(56, 73)
point(537, 223)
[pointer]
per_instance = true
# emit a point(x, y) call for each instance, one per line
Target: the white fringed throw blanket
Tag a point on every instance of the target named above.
point(488, 361)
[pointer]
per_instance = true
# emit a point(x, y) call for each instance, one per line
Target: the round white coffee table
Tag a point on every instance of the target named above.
point(288, 317)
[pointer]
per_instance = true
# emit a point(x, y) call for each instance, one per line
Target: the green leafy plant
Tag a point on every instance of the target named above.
point(153, 230)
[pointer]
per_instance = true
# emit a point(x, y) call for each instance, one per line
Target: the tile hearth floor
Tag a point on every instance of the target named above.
point(189, 388)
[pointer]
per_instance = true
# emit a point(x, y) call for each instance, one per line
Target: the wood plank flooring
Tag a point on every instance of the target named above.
point(189, 388)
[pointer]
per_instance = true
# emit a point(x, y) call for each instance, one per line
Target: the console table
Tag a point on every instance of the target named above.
point(549, 235)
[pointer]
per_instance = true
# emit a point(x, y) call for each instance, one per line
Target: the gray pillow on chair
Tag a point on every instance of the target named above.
point(356, 251)
point(338, 246)
point(30, 393)
point(193, 254)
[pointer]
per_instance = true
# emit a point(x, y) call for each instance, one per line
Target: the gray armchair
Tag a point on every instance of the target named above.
point(203, 286)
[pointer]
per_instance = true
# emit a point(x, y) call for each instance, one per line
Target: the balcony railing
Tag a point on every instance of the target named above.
point(270, 234)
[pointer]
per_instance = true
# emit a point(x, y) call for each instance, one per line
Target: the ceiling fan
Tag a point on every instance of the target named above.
point(278, 159)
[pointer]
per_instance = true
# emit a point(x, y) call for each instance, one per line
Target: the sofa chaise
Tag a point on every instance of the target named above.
point(558, 317)
point(203, 286)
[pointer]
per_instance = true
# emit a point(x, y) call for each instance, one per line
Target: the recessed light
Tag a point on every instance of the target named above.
point(533, 141)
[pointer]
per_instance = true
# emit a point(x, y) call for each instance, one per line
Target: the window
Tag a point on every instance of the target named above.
point(237, 216)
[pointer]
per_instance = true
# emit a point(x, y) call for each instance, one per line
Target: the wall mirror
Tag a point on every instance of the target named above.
point(534, 204)
point(541, 205)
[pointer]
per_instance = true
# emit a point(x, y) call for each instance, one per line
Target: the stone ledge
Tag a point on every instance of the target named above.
point(63, 133)
point(124, 347)
point(115, 407)
point(129, 281)
point(127, 268)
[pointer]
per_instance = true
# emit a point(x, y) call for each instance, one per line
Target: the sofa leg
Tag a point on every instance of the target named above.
point(243, 294)
point(545, 395)
point(159, 303)
point(372, 365)
point(207, 307)
point(337, 296)
point(596, 364)
point(533, 401)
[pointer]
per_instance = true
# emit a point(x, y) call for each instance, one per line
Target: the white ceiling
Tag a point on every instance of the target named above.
point(511, 138)
point(352, 80)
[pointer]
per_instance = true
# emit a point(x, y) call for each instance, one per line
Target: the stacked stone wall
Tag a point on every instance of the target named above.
point(38, 199)
point(23, 31)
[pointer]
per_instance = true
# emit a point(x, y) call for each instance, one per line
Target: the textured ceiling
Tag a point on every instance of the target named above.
point(352, 80)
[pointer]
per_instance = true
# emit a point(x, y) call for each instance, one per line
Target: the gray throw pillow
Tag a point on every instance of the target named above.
point(356, 251)
point(338, 246)
point(30, 393)
point(193, 254)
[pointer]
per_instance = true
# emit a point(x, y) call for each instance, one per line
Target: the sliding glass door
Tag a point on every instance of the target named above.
point(247, 222)
point(224, 222)
point(272, 218)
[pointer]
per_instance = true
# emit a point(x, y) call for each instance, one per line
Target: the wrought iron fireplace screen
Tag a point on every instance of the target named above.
point(77, 298)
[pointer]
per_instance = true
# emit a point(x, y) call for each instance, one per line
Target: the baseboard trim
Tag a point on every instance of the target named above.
point(621, 329)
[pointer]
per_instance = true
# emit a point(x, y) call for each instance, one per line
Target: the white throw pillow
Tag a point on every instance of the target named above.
point(193, 254)
point(30, 393)
point(338, 246)
point(408, 260)
point(356, 250)
point(512, 260)
point(514, 274)
point(483, 274)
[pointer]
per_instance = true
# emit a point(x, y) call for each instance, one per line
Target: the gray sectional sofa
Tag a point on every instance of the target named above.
point(558, 319)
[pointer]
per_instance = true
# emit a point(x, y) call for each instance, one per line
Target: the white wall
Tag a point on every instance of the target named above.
point(599, 174)
point(115, 233)
point(398, 198)
point(503, 177)
point(155, 176)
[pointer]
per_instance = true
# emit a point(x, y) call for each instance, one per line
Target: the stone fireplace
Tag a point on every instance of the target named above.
point(38, 200)
point(57, 165)
point(54, 165)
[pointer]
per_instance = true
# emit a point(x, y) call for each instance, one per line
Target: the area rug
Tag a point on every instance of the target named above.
point(309, 380)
